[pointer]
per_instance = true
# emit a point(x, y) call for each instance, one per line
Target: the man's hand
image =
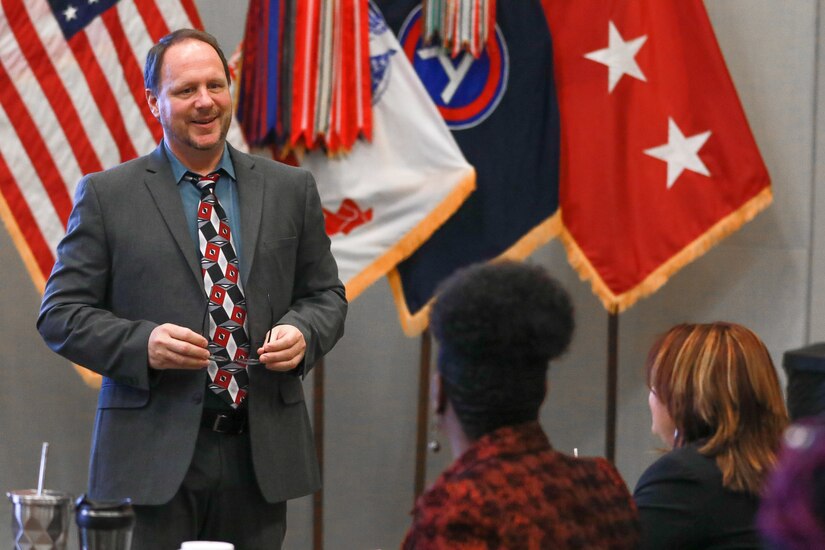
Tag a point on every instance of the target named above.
point(283, 348)
point(175, 347)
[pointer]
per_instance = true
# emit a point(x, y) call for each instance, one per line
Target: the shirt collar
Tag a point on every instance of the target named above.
point(178, 169)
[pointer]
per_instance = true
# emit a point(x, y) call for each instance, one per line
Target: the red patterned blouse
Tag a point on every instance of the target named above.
point(511, 490)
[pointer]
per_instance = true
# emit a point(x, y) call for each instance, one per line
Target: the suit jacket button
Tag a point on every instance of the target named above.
point(197, 398)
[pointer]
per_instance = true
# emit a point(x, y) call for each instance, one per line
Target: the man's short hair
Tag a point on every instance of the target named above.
point(154, 59)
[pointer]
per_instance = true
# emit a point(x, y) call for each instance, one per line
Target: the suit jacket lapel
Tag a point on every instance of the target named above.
point(251, 198)
point(161, 184)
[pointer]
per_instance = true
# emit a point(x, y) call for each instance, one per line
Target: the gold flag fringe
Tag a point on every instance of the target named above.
point(618, 303)
point(410, 242)
point(22, 247)
point(91, 379)
point(414, 324)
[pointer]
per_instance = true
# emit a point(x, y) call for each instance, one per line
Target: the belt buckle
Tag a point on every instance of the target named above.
point(222, 423)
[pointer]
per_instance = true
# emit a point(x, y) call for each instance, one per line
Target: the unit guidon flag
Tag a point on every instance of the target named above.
point(501, 109)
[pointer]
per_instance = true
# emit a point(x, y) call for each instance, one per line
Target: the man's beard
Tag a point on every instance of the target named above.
point(186, 137)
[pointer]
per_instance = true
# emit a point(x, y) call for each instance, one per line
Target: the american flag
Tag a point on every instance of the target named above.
point(71, 102)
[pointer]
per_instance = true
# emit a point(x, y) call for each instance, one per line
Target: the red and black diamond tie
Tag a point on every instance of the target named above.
point(228, 340)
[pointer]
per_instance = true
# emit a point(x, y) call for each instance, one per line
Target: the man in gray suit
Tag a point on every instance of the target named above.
point(208, 439)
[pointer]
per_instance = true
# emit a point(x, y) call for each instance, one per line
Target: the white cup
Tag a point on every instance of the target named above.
point(206, 545)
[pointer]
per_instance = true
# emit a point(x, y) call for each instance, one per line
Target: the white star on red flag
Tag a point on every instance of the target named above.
point(680, 153)
point(619, 57)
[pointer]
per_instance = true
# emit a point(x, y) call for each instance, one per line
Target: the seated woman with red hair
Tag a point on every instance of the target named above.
point(716, 402)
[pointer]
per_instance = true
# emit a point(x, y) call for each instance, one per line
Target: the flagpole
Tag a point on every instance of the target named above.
point(612, 384)
point(421, 428)
point(318, 430)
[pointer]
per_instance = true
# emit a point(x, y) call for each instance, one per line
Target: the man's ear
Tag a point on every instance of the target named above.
point(152, 100)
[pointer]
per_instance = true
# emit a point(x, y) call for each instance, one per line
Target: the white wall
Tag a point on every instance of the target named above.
point(765, 276)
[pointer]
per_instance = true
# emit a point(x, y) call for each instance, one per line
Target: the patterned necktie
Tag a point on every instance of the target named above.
point(228, 340)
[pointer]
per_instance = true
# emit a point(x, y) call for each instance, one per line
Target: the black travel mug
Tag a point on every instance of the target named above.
point(104, 525)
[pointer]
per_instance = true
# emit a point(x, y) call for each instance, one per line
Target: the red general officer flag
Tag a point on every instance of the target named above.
point(658, 162)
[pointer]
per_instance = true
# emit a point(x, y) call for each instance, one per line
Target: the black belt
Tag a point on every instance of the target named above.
point(224, 422)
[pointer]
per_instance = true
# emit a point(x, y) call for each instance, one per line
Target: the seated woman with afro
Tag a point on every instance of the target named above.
point(497, 327)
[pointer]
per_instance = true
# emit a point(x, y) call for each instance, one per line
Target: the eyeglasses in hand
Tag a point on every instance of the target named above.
point(224, 358)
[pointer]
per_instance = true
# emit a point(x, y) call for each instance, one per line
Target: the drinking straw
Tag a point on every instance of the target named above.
point(44, 451)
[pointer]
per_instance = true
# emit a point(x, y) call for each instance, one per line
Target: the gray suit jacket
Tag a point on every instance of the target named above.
point(128, 264)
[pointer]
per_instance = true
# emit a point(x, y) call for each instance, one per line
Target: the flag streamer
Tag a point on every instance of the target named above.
point(459, 25)
point(305, 75)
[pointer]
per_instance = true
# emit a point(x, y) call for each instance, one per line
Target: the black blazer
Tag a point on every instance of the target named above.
point(682, 504)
